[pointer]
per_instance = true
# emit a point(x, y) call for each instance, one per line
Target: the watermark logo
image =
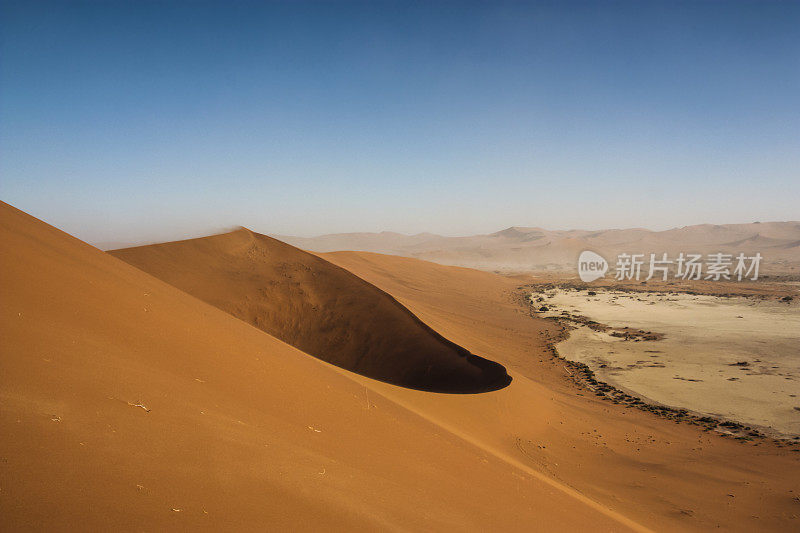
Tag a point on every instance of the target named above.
point(714, 267)
point(591, 266)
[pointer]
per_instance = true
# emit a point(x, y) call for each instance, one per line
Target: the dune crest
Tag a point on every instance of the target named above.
point(317, 307)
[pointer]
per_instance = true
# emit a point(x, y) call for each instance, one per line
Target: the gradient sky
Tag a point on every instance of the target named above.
point(144, 121)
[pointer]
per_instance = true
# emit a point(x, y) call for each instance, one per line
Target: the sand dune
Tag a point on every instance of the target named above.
point(317, 307)
point(526, 249)
point(129, 405)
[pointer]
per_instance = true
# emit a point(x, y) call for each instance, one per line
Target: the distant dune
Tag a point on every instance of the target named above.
point(318, 307)
point(522, 249)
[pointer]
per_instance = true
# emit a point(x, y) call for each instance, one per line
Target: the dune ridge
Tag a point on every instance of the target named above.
point(320, 308)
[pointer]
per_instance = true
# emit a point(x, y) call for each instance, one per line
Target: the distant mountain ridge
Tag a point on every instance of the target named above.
point(520, 248)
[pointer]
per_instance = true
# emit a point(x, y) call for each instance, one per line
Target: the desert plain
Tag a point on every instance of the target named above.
point(733, 357)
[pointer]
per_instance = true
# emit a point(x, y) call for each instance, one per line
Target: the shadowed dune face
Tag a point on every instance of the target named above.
point(317, 307)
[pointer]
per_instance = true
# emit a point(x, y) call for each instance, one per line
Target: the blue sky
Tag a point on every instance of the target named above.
point(144, 121)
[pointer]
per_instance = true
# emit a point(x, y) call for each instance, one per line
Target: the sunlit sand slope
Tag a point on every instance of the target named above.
point(126, 404)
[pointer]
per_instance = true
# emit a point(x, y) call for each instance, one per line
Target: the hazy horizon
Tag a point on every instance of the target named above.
point(141, 241)
point(144, 122)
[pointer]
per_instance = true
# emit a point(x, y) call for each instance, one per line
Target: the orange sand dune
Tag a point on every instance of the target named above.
point(317, 307)
point(130, 405)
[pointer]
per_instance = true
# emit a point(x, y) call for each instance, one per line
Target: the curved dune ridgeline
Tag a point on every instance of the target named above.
point(317, 307)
